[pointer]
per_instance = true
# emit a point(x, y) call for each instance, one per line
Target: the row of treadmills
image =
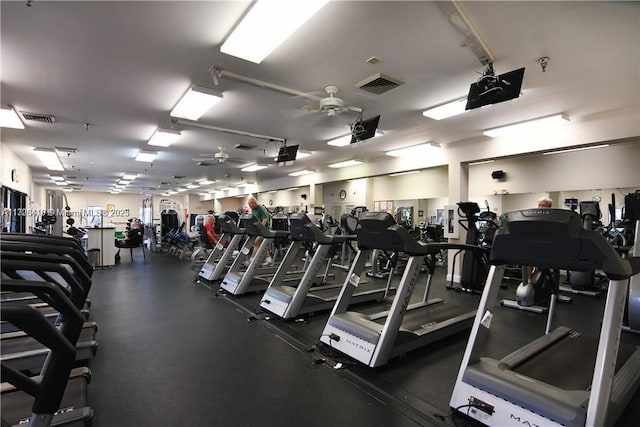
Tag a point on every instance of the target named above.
point(563, 378)
point(47, 339)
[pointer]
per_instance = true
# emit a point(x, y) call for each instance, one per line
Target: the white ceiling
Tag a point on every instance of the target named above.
point(122, 66)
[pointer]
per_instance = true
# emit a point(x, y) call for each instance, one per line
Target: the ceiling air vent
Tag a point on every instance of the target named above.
point(244, 147)
point(379, 83)
point(179, 177)
point(44, 118)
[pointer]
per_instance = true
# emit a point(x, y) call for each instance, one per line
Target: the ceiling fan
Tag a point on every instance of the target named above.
point(331, 104)
point(206, 159)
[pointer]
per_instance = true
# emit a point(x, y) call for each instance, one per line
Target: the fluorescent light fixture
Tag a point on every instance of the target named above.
point(226, 189)
point(196, 102)
point(49, 158)
point(124, 182)
point(345, 140)
point(245, 184)
point(61, 183)
point(56, 178)
point(192, 186)
point(534, 125)
point(292, 188)
point(449, 109)
point(415, 150)
point(404, 173)
point(272, 192)
point(146, 156)
point(119, 187)
point(302, 172)
point(253, 168)
point(206, 182)
point(164, 137)
point(569, 150)
point(340, 141)
point(302, 154)
point(181, 190)
point(67, 190)
point(267, 25)
point(345, 164)
point(129, 176)
point(172, 192)
point(482, 162)
point(9, 118)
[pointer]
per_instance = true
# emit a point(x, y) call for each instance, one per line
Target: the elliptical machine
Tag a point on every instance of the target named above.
point(474, 267)
point(586, 282)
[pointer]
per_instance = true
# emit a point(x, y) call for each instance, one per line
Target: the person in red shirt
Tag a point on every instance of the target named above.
point(209, 227)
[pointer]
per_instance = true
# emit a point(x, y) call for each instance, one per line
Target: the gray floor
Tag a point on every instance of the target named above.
point(173, 353)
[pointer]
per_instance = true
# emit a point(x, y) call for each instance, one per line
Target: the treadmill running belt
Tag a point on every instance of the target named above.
point(26, 343)
point(418, 318)
point(569, 364)
point(331, 294)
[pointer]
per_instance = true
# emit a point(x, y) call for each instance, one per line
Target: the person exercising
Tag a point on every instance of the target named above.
point(544, 203)
point(209, 228)
point(261, 214)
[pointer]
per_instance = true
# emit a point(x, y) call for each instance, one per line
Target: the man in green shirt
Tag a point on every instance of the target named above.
point(262, 215)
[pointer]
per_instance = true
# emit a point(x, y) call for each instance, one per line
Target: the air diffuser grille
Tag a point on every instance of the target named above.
point(379, 84)
point(44, 118)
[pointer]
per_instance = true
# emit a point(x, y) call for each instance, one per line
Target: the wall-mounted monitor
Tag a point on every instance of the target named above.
point(491, 89)
point(287, 154)
point(364, 129)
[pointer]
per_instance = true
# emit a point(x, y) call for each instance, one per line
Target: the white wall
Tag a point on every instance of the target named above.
point(427, 184)
point(9, 161)
point(612, 167)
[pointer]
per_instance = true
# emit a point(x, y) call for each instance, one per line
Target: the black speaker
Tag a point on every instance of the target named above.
point(498, 174)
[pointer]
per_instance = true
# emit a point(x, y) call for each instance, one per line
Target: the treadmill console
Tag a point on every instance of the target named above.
point(554, 238)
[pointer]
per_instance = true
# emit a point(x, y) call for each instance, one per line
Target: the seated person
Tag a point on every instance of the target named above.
point(210, 231)
point(132, 237)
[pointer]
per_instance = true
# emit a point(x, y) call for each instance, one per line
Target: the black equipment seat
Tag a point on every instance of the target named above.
point(204, 237)
point(555, 238)
point(257, 228)
point(301, 228)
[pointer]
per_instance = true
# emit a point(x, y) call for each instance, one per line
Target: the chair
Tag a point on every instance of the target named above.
point(136, 242)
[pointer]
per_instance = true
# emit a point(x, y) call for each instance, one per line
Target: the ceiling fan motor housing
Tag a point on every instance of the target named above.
point(331, 104)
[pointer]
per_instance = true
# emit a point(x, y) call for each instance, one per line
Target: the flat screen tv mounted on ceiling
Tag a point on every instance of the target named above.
point(364, 129)
point(287, 154)
point(492, 89)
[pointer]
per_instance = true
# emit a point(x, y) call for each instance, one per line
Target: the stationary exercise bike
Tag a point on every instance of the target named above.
point(535, 294)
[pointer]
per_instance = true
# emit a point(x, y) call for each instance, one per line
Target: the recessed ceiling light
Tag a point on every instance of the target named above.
point(195, 103)
point(9, 118)
point(302, 172)
point(49, 158)
point(448, 109)
point(345, 164)
point(164, 137)
point(534, 125)
point(414, 150)
point(253, 168)
point(146, 156)
point(266, 26)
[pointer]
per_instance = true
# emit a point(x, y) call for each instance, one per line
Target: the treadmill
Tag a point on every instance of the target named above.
point(239, 280)
point(220, 258)
point(564, 377)
point(22, 351)
point(289, 302)
point(59, 395)
point(376, 338)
